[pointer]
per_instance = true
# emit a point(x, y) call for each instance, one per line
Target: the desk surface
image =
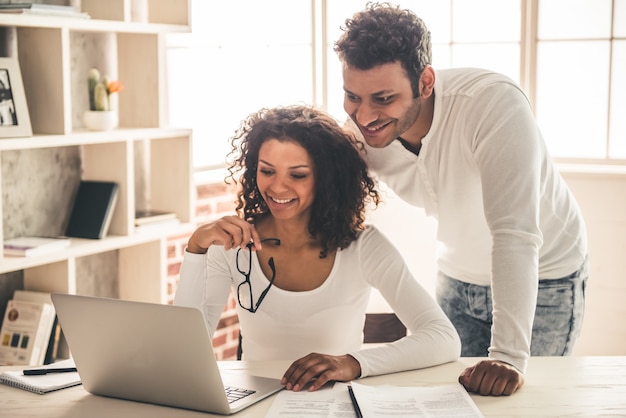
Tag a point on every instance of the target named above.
point(555, 386)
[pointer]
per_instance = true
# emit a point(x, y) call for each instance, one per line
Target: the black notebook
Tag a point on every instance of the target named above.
point(92, 210)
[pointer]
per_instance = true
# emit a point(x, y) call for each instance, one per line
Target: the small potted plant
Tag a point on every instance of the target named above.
point(101, 116)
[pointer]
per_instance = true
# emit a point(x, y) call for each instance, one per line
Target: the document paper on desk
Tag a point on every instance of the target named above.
point(411, 401)
point(376, 401)
point(327, 402)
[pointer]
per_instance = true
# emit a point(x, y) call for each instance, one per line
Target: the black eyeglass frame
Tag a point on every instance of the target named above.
point(254, 307)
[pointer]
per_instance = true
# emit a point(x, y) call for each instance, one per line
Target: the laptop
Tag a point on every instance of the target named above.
point(152, 353)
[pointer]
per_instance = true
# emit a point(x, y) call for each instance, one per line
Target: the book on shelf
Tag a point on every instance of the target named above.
point(92, 210)
point(154, 221)
point(143, 217)
point(50, 354)
point(29, 246)
point(159, 226)
point(43, 9)
point(44, 383)
point(26, 331)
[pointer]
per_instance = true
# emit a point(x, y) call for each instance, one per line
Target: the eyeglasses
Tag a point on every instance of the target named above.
point(244, 290)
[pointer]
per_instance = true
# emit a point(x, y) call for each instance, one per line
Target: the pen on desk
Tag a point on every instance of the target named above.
point(38, 372)
point(355, 404)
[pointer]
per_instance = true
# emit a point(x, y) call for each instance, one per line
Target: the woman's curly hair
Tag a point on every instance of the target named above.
point(343, 186)
point(382, 34)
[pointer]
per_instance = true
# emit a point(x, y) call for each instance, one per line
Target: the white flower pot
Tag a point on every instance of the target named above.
point(100, 120)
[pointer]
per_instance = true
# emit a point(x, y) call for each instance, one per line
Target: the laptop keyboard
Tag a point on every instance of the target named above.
point(234, 394)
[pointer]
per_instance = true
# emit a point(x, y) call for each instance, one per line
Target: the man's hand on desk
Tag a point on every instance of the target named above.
point(491, 377)
point(319, 369)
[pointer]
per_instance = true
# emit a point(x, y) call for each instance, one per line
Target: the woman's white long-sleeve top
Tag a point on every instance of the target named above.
point(329, 319)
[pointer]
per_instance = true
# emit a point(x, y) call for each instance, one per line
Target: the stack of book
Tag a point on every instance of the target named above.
point(43, 10)
point(30, 246)
point(30, 330)
point(152, 220)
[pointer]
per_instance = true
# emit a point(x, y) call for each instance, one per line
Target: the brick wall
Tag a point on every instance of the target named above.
point(212, 202)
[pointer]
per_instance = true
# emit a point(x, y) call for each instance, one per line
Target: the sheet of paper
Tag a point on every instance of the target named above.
point(397, 401)
point(331, 402)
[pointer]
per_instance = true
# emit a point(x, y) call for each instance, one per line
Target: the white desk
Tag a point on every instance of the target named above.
point(555, 386)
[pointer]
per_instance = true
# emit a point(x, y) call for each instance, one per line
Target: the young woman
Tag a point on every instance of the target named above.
point(301, 260)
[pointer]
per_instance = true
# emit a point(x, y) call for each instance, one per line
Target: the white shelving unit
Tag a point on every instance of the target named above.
point(54, 55)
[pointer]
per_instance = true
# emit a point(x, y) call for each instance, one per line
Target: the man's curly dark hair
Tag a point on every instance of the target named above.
point(382, 34)
point(343, 186)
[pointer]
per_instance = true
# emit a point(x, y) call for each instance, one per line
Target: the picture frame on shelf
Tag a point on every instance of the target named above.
point(14, 116)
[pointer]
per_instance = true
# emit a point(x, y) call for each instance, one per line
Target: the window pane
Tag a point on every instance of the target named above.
point(235, 63)
point(617, 144)
point(335, 87)
point(252, 21)
point(436, 15)
point(179, 62)
point(442, 56)
point(502, 58)
point(336, 14)
point(574, 19)
point(261, 77)
point(486, 21)
point(571, 112)
point(619, 19)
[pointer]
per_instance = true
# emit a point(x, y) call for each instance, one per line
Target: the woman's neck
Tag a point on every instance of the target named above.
point(292, 234)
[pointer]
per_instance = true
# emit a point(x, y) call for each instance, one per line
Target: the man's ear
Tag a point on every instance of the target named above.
point(427, 82)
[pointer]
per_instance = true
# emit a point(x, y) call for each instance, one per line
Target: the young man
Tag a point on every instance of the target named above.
point(463, 145)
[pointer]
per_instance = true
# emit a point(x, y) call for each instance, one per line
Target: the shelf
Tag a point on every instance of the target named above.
point(84, 137)
point(89, 25)
point(122, 16)
point(80, 247)
point(149, 160)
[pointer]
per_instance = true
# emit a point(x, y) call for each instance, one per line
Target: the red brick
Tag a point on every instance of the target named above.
point(219, 340)
point(225, 207)
point(173, 269)
point(229, 353)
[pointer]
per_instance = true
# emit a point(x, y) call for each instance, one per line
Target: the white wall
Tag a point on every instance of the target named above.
point(602, 198)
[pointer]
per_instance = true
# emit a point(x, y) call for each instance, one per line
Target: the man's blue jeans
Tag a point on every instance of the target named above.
point(558, 317)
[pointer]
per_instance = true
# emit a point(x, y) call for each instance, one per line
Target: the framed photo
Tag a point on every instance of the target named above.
point(14, 117)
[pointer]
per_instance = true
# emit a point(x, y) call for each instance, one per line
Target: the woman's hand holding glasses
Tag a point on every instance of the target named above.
point(229, 231)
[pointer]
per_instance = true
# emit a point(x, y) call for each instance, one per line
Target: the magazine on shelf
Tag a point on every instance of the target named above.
point(29, 246)
point(50, 354)
point(25, 333)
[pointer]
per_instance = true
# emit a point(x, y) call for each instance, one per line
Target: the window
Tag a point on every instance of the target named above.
point(581, 70)
point(242, 55)
point(569, 56)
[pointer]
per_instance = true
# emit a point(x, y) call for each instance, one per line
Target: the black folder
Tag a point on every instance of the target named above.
point(92, 210)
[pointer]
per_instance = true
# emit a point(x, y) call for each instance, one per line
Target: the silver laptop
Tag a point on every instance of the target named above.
point(153, 353)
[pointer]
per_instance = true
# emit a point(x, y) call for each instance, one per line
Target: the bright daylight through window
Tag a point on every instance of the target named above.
point(246, 54)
